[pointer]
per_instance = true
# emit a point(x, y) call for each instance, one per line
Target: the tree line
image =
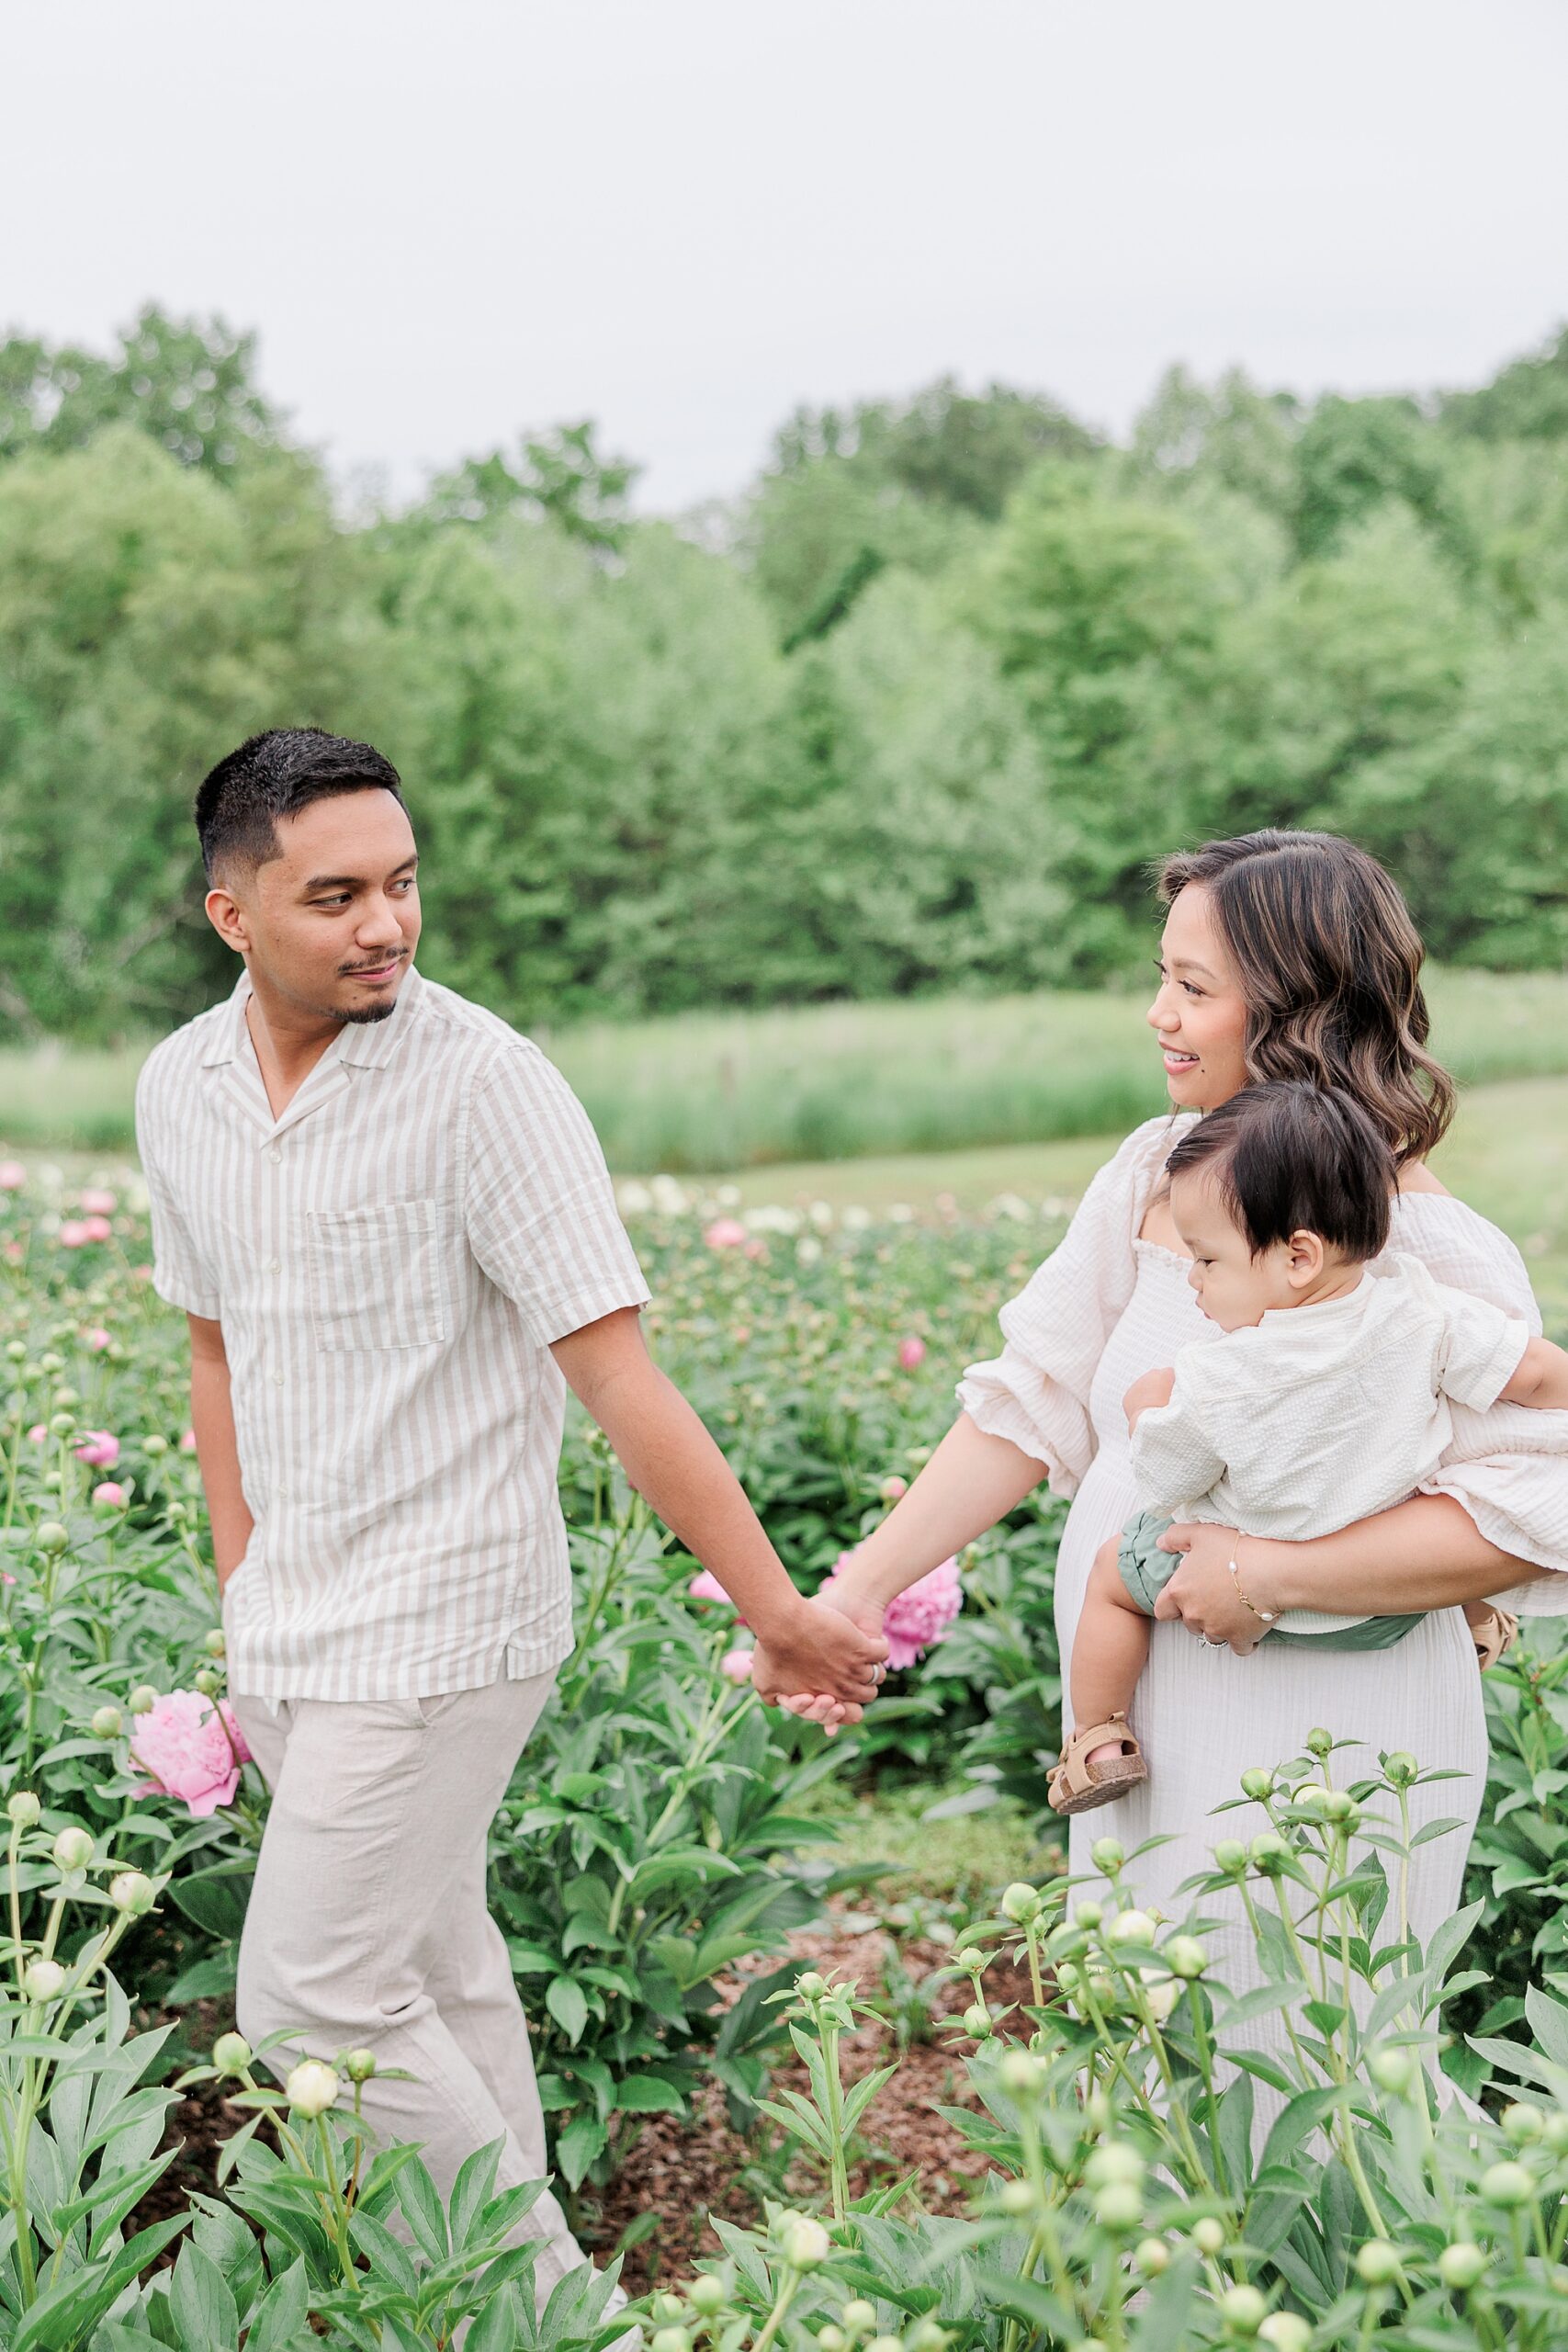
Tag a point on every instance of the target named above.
point(910, 714)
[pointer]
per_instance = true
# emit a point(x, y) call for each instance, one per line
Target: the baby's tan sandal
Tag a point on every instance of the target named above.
point(1075, 1785)
point(1494, 1635)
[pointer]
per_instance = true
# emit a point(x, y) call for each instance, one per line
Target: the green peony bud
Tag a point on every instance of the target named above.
point(1393, 2070)
point(134, 1893)
point(926, 2337)
point(709, 2295)
point(24, 1809)
point(73, 1849)
point(43, 1980)
point(1230, 1856)
point(1117, 2160)
point(51, 1362)
point(1462, 2264)
point(1185, 1956)
point(1020, 1903)
point(359, 2065)
point(50, 1536)
point(669, 2339)
point(1108, 1854)
point(1522, 2125)
point(1257, 1784)
point(831, 2340)
point(1377, 2263)
point(213, 1643)
point(1207, 2235)
point(142, 1700)
point(1556, 2133)
point(858, 2316)
point(810, 1985)
point(1244, 2308)
point(1270, 1852)
point(1338, 1805)
point(1152, 2255)
point(1016, 2197)
point(1285, 2332)
point(668, 2308)
point(154, 1447)
point(312, 2087)
point(1319, 1743)
point(231, 2053)
point(977, 2021)
point(1506, 2185)
point(108, 1723)
point(1023, 2074)
point(207, 1682)
point(805, 2244)
point(1120, 2206)
point(1088, 1915)
point(1401, 1768)
point(1131, 1927)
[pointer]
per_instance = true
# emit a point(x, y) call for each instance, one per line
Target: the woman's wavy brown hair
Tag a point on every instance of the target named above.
point(1329, 964)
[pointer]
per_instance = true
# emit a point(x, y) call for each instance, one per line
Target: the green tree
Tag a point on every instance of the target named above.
point(559, 476)
point(149, 619)
point(187, 383)
point(1527, 400)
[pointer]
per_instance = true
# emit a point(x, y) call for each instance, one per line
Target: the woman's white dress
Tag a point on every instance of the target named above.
point(1108, 1305)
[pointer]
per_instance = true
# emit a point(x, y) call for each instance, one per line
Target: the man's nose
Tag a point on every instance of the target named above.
point(379, 926)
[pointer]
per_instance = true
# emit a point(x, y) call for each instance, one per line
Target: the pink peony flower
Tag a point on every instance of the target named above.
point(97, 1228)
point(98, 1339)
point(736, 1666)
point(911, 1354)
point(74, 1233)
point(707, 1588)
point(13, 1175)
point(726, 1233)
point(187, 1442)
point(110, 1495)
point(919, 1617)
point(100, 1450)
point(14, 1253)
point(192, 1748)
point(142, 1273)
point(36, 1434)
point(97, 1203)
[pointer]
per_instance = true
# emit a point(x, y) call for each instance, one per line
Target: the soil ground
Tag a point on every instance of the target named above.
point(686, 2172)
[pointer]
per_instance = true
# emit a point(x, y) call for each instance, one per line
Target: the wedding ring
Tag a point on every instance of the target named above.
point(879, 1674)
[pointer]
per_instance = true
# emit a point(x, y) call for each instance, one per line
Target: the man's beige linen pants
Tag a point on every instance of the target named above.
point(369, 1927)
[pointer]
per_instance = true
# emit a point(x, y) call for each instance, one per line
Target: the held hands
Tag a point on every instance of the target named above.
point(830, 1654)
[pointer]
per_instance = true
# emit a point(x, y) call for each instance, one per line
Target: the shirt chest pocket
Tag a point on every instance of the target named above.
point(376, 1276)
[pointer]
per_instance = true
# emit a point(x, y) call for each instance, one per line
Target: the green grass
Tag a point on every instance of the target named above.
point(712, 1092)
point(961, 1861)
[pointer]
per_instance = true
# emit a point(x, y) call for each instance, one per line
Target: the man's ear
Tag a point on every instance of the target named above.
point(227, 917)
point(1308, 1255)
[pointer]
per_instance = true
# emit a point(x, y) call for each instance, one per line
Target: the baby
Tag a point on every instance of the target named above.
point(1323, 1400)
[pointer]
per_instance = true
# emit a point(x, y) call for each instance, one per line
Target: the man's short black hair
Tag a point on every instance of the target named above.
point(1290, 1157)
point(274, 776)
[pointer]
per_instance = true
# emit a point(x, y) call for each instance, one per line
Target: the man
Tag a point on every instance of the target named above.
point(390, 1226)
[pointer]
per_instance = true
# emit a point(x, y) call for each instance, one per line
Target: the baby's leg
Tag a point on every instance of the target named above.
point(1111, 1647)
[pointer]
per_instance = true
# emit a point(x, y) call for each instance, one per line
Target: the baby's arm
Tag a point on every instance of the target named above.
point(1174, 1460)
point(1153, 1389)
point(1541, 1378)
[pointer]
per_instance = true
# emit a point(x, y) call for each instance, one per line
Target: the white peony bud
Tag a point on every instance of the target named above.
point(313, 2087)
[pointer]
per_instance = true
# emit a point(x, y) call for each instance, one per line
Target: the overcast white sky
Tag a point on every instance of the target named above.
point(451, 218)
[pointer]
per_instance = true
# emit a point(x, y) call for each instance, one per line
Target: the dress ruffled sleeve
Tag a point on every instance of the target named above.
point(1508, 1466)
point(1036, 1393)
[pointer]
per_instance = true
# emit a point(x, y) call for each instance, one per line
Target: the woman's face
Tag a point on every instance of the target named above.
point(1199, 1016)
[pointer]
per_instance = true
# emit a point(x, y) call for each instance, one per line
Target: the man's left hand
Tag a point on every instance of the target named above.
point(1202, 1593)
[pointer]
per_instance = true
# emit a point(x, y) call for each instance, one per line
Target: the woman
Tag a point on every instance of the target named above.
point(1284, 955)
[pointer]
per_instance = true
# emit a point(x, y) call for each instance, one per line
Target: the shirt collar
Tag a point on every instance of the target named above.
point(364, 1044)
point(1324, 1310)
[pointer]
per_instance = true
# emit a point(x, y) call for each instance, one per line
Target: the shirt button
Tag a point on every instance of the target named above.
point(275, 1154)
point(274, 1265)
point(281, 1487)
point(278, 1380)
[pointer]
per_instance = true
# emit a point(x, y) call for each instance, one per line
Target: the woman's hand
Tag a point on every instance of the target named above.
point(1202, 1593)
point(817, 1707)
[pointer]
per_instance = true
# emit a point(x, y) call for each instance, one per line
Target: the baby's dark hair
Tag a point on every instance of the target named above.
point(1290, 1157)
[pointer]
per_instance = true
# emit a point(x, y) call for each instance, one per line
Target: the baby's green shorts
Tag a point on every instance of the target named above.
point(1146, 1570)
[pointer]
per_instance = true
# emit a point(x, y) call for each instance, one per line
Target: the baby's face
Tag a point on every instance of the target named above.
point(1234, 1288)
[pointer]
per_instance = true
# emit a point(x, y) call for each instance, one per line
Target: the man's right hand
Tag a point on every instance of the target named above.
point(811, 1698)
point(816, 1649)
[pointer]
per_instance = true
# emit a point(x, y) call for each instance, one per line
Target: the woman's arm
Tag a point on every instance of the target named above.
point(1424, 1553)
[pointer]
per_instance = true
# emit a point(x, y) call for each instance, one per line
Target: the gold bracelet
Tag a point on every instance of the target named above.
point(1264, 1616)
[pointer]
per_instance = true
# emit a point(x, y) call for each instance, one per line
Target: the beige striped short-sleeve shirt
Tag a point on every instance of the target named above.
point(389, 1261)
